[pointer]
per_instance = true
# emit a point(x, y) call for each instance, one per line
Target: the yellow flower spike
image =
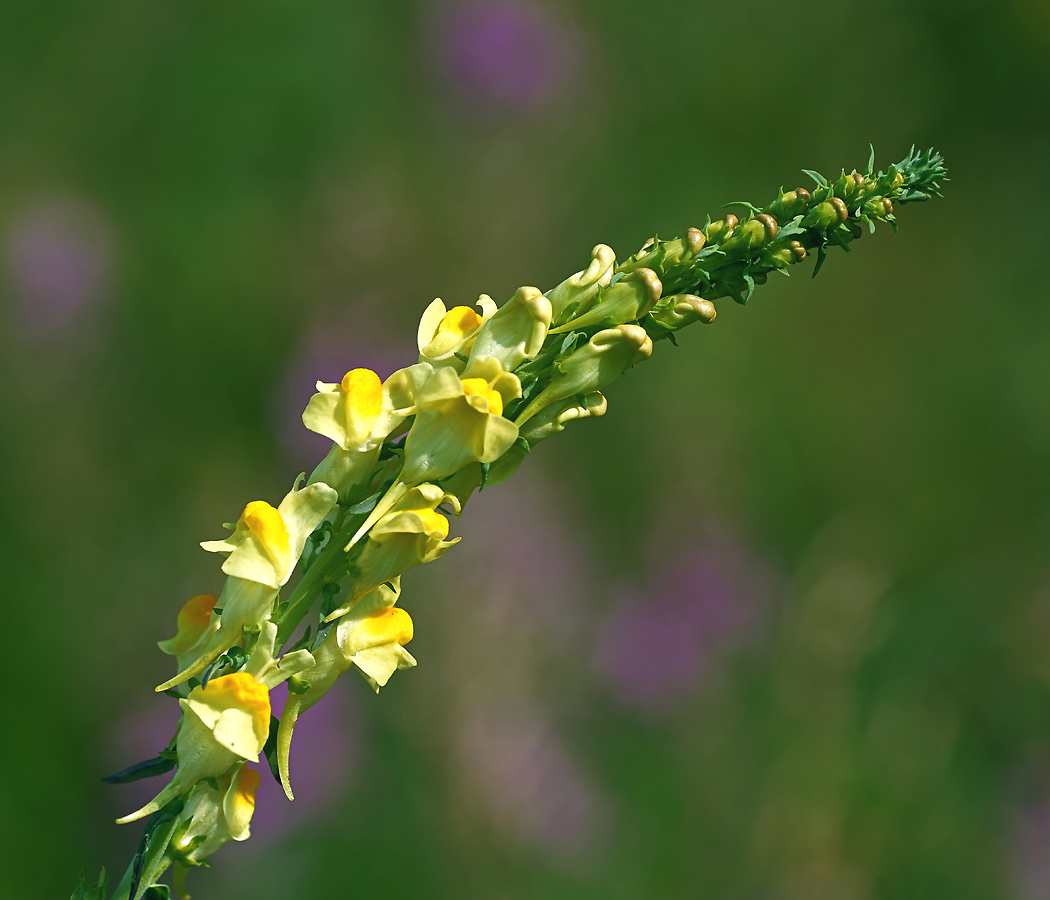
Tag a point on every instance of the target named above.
point(444, 333)
point(599, 362)
point(517, 330)
point(192, 622)
point(457, 421)
point(409, 534)
point(576, 295)
point(223, 723)
point(355, 450)
point(628, 299)
point(371, 637)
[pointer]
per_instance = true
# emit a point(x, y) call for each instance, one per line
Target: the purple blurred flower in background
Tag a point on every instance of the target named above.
point(662, 641)
point(336, 341)
point(59, 257)
point(524, 562)
point(1028, 841)
point(502, 53)
point(525, 779)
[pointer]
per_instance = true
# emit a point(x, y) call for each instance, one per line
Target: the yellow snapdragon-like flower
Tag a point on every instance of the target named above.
point(411, 533)
point(459, 420)
point(370, 638)
point(266, 542)
point(444, 333)
point(516, 331)
point(359, 414)
point(212, 817)
point(223, 723)
point(263, 550)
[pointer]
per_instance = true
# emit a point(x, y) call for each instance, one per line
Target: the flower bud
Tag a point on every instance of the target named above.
point(790, 204)
point(576, 294)
point(626, 300)
point(598, 363)
point(825, 215)
point(675, 312)
point(554, 418)
point(752, 234)
point(442, 334)
point(516, 331)
point(718, 231)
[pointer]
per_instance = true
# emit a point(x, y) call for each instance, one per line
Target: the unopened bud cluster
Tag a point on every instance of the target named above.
point(407, 452)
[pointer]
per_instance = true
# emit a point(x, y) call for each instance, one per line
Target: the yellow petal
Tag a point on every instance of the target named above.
point(458, 322)
point(384, 626)
point(239, 803)
point(362, 402)
point(479, 387)
point(433, 522)
point(268, 526)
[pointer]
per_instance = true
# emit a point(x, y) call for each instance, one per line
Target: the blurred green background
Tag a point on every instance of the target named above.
point(776, 627)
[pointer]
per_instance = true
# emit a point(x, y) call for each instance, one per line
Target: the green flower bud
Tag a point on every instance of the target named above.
point(718, 231)
point(554, 418)
point(577, 294)
point(628, 299)
point(787, 206)
point(675, 312)
point(667, 253)
point(601, 361)
point(825, 215)
point(752, 234)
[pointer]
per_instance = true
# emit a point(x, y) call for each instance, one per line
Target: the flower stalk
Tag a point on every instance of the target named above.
point(406, 454)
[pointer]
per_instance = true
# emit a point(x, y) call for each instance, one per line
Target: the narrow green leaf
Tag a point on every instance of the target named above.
point(146, 769)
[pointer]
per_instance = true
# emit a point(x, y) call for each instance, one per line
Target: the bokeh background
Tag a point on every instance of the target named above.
point(777, 627)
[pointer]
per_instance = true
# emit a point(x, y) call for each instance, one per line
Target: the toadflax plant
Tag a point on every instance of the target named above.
point(406, 454)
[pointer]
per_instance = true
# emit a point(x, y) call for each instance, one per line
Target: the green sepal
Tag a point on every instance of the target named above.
point(147, 769)
point(157, 892)
point(297, 685)
point(88, 891)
